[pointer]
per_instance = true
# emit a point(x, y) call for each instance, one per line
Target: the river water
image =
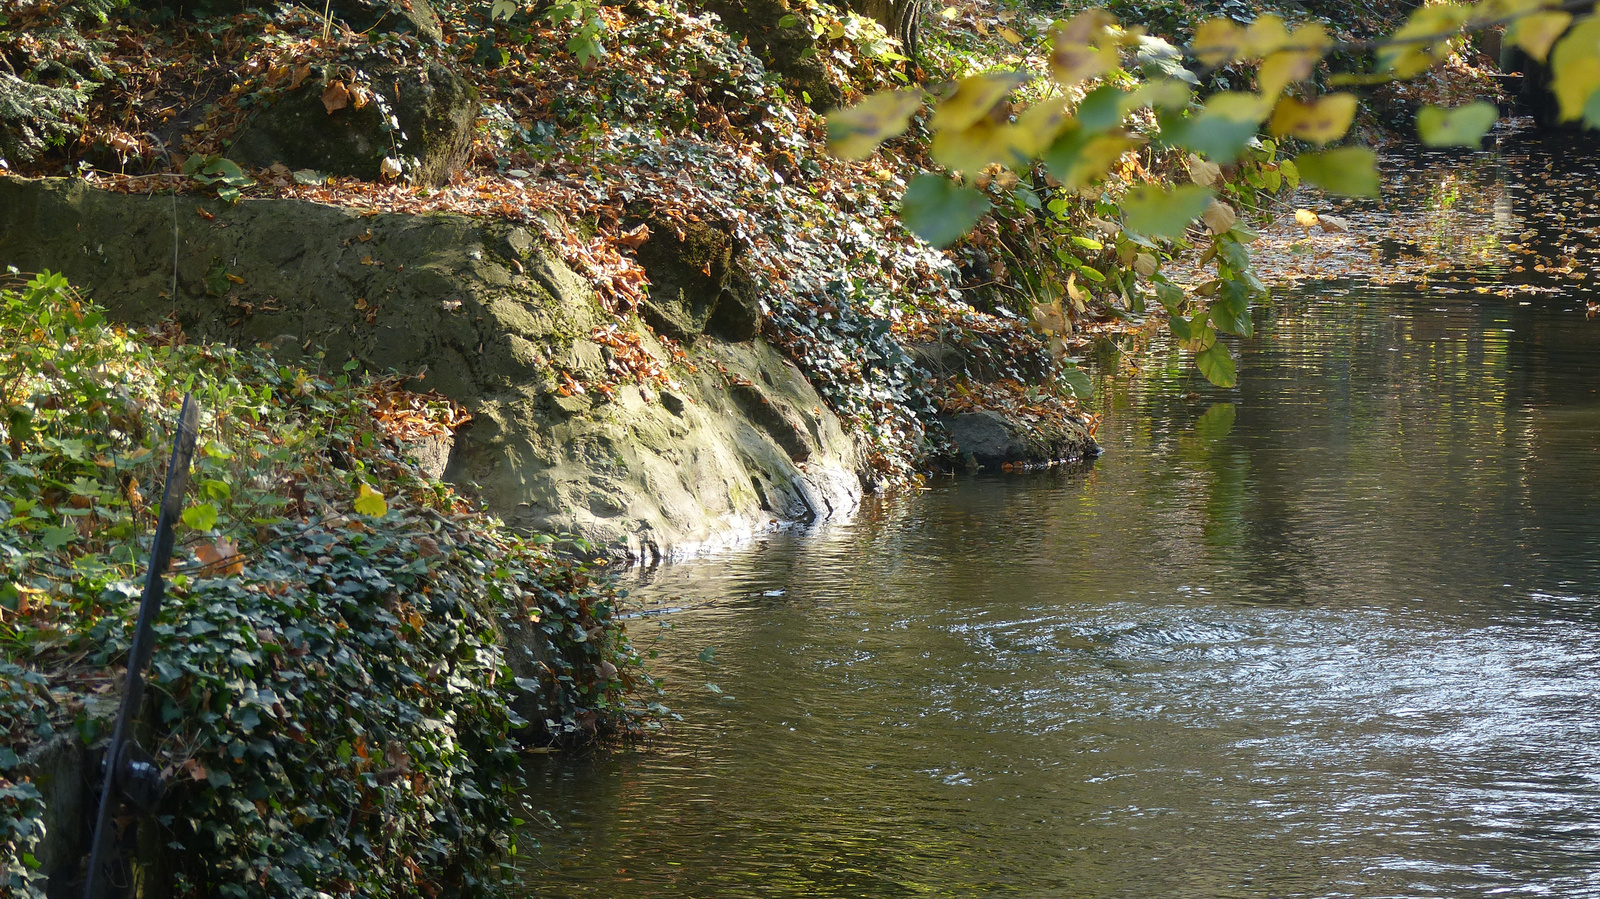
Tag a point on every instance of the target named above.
point(1332, 633)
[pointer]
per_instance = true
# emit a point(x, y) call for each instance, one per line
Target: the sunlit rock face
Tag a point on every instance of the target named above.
point(727, 442)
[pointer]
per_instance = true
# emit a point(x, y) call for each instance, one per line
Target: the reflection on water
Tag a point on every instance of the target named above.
point(1333, 633)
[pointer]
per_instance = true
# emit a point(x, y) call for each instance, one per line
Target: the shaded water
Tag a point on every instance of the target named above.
point(1333, 633)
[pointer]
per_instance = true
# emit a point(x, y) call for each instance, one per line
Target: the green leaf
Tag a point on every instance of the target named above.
point(1352, 171)
point(1463, 126)
point(370, 502)
point(1217, 422)
point(1077, 380)
point(707, 654)
point(1154, 212)
point(202, 517)
point(1216, 363)
point(1291, 173)
point(939, 211)
point(1171, 297)
point(502, 9)
point(1223, 130)
point(1231, 311)
point(56, 538)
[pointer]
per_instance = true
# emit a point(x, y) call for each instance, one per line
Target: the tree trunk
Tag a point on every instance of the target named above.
point(901, 18)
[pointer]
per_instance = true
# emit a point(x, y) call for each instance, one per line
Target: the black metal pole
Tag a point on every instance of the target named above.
point(143, 635)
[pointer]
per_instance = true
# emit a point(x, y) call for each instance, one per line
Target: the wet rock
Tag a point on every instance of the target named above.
point(421, 115)
point(689, 266)
point(990, 439)
point(986, 437)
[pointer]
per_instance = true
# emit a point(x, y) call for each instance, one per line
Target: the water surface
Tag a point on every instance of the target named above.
point(1332, 633)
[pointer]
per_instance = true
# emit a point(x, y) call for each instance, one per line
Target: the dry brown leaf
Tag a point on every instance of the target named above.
point(336, 97)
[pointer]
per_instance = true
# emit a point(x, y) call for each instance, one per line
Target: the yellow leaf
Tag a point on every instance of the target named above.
point(1320, 121)
point(1219, 217)
point(1011, 37)
point(1265, 36)
point(855, 133)
point(972, 149)
point(370, 502)
point(1305, 218)
point(1536, 32)
point(1072, 58)
point(1407, 58)
point(1038, 125)
point(1218, 41)
point(1094, 160)
point(1203, 173)
point(1284, 68)
point(975, 97)
point(1576, 68)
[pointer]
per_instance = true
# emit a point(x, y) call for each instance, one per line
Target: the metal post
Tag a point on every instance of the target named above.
point(143, 638)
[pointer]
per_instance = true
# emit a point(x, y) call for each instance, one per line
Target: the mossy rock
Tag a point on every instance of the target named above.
point(434, 108)
point(387, 16)
point(696, 283)
point(788, 49)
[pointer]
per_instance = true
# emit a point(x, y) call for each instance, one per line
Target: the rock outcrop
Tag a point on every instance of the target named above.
point(419, 115)
point(486, 314)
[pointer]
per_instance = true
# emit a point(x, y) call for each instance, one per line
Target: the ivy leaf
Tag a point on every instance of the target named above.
point(1463, 126)
point(201, 517)
point(1216, 363)
point(370, 502)
point(855, 133)
point(1154, 212)
point(56, 538)
point(1352, 171)
point(939, 211)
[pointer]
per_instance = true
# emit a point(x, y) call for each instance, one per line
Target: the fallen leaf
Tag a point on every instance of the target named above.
point(336, 97)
